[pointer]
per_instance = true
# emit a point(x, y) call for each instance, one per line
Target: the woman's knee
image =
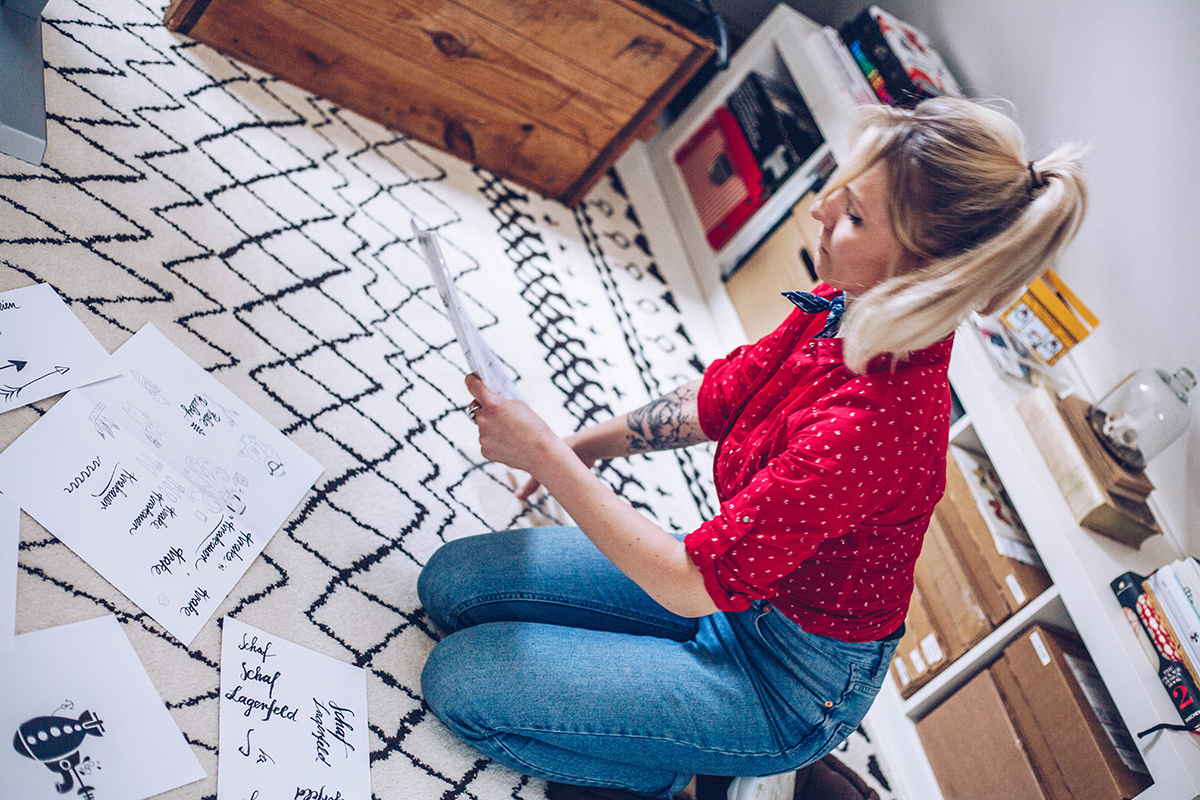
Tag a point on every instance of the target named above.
point(438, 585)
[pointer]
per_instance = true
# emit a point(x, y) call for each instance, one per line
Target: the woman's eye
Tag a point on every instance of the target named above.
point(854, 218)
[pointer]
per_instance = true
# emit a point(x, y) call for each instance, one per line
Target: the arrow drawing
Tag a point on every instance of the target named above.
point(10, 393)
point(20, 365)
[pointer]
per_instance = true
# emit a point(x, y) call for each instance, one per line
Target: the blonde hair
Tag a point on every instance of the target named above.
point(982, 220)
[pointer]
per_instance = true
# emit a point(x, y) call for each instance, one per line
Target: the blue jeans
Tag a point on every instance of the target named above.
point(559, 666)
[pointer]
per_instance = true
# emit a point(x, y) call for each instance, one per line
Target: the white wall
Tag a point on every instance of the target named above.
point(1124, 76)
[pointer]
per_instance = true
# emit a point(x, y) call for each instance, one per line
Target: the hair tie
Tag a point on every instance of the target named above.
point(1037, 182)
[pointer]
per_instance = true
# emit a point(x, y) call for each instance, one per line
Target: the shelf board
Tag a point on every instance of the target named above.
point(1046, 607)
point(1081, 564)
point(776, 49)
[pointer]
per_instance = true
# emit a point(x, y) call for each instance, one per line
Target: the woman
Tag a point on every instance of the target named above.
point(616, 660)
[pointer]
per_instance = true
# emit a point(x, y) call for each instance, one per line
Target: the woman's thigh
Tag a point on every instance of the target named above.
point(746, 696)
point(640, 713)
point(550, 575)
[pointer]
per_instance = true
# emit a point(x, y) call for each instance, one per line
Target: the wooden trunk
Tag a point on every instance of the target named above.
point(546, 93)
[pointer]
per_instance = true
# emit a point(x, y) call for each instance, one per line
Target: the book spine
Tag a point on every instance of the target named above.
point(1168, 622)
point(849, 76)
point(1176, 679)
point(895, 77)
point(855, 33)
point(1180, 613)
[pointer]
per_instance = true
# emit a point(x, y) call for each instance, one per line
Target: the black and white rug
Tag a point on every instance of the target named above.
point(267, 233)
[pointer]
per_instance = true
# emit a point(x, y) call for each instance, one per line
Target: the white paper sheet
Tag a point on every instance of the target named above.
point(44, 348)
point(480, 358)
point(293, 721)
point(88, 719)
point(161, 479)
point(10, 540)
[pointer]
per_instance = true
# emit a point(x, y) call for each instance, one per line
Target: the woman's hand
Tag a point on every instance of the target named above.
point(510, 432)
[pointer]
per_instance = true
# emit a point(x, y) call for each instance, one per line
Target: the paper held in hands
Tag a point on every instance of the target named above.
point(161, 479)
point(293, 721)
point(480, 358)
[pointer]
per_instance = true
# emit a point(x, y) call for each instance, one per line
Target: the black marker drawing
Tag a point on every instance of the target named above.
point(55, 742)
point(262, 453)
point(152, 429)
point(10, 393)
point(20, 365)
point(104, 425)
point(248, 748)
point(150, 386)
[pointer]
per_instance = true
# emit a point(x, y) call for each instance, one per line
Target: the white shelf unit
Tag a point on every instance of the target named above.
point(1081, 563)
point(780, 49)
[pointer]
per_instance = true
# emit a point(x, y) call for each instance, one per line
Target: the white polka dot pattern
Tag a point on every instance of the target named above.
point(827, 479)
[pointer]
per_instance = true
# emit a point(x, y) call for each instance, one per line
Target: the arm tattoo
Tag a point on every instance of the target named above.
point(666, 423)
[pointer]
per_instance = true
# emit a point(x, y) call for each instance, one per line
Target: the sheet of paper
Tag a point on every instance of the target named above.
point(86, 720)
point(44, 348)
point(293, 722)
point(161, 479)
point(480, 358)
point(10, 540)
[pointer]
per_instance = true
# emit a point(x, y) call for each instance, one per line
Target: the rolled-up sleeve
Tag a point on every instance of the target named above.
point(838, 468)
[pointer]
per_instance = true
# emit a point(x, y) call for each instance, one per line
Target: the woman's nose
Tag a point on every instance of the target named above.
point(819, 211)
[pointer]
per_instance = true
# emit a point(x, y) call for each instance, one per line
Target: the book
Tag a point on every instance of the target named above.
point(778, 127)
point(1181, 615)
point(1166, 628)
point(1175, 677)
point(1092, 505)
point(896, 59)
point(829, 53)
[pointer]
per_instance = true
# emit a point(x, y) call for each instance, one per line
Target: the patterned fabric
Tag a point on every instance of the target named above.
point(827, 479)
point(810, 303)
point(266, 232)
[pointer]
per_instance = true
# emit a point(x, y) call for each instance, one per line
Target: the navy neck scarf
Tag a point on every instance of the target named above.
point(811, 304)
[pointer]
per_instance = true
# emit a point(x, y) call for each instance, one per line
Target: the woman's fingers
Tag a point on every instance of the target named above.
point(526, 491)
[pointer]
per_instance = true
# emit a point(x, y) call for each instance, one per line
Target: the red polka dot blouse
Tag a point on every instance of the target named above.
point(827, 479)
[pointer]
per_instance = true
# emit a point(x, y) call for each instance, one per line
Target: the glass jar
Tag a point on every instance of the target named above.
point(1143, 414)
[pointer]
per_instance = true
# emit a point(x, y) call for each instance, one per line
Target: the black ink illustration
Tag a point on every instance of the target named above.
point(226, 413)
point(20, 365)
point(262, 453)
point(150, 386)
point(152, 429)
point(9, 392)
point(55, 742)
point(104, 425)
point(246, 750)
point(219, 491)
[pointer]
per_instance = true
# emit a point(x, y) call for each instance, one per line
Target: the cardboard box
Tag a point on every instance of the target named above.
point(921, 653)
point(1077, 742)
point(974, 748)
point(1003, 584)
point(950, 597)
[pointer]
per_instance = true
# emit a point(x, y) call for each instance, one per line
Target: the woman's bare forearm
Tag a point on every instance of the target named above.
point(671, 421)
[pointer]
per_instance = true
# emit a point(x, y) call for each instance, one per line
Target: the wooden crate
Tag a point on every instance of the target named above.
point(546, 94)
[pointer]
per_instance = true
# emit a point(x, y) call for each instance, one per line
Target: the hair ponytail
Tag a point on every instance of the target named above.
point(983, 221)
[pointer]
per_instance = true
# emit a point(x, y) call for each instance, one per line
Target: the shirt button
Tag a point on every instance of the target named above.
point(766, 607)
point(829, 704)
point(745, 519)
